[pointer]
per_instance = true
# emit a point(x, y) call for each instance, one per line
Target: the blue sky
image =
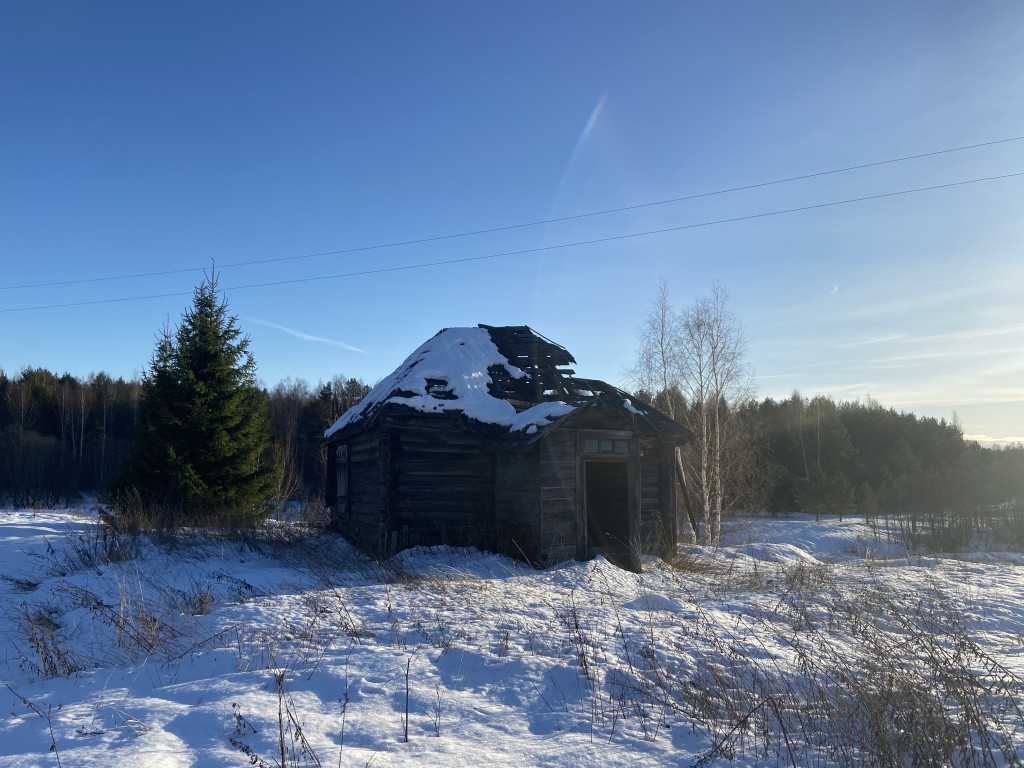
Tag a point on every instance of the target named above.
point(143, 137)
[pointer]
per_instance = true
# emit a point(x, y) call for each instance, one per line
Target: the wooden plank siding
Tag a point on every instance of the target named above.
point(666, 453)
point(604, 419)
point(441, 485)
point(559, 525)
point(651, 503)
point(517, 504)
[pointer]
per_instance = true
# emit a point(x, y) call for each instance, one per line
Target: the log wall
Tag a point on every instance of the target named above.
point(559, 518)
point(441, 485)
point(517, 504)
point(364, 522)
point(427, 479)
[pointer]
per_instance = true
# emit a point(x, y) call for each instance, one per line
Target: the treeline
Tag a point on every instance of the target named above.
point(824, 457)
point(61, 436)
point(299, 416)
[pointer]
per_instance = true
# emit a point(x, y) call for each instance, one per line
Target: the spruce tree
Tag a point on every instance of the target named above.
point(153, 469)
point(203, 445)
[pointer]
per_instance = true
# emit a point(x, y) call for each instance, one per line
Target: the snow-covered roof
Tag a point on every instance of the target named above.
point(450, 373)
point(469, 371)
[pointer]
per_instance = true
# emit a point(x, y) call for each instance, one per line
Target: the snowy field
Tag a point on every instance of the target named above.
point(795, 643)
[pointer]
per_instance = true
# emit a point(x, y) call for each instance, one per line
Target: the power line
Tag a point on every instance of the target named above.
point(523, 225)
point(538, 249)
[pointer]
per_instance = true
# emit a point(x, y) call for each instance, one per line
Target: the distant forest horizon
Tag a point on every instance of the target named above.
point(62, 436)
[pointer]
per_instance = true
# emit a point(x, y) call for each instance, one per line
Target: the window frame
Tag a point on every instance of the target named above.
point(342, 490)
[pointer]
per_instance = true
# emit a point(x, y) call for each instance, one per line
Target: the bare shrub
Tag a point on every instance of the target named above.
point(196, 600)
point(881, 678)
point(691, 560)
point(293, 749)
point(1010, 529)
point(572, 618)
point(46, 638)
point(46, 715)
point(98, 546)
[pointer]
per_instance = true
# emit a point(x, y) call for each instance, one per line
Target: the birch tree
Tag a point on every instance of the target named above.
point(657, 373)
point(698, 356)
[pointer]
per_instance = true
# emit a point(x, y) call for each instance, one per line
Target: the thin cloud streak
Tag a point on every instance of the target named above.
point(997, 396)
point(874, 340)
point(946, 353)
point(766, 376)
point(902, 304)
point(992, 441)
point(306, 336)
point(977, 333)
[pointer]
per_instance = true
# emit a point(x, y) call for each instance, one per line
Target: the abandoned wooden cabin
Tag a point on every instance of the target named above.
point(485, 437)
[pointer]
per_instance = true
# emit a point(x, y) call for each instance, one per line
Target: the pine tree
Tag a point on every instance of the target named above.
point(203, 445)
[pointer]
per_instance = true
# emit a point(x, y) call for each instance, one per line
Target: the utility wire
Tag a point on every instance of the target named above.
point(538, 249)
point(524, 225)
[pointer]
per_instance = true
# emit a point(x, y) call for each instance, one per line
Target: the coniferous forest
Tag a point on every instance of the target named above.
point(61, 436)
point(825, 457)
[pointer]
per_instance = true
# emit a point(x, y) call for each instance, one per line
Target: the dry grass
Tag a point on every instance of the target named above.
point(809, 664)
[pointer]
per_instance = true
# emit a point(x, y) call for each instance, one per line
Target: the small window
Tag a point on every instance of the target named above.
point(605, 445)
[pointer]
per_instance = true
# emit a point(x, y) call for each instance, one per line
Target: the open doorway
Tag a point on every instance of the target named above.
point(607, 512)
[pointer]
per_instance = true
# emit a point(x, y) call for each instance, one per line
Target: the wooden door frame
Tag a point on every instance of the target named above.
point(632, 460)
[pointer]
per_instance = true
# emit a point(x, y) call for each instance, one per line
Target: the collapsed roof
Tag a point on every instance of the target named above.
point(509, 379)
